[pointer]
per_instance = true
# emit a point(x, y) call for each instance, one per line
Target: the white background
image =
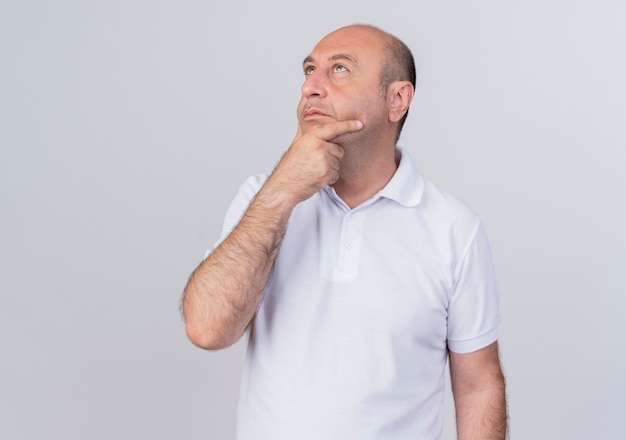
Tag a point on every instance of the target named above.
point(126, 128)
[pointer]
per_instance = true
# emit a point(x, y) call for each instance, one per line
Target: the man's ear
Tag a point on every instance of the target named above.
point(401, 95)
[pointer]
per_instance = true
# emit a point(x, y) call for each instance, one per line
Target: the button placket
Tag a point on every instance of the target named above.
point(347, 267)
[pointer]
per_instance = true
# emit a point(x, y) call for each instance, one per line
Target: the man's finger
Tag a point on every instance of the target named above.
point(329, 131)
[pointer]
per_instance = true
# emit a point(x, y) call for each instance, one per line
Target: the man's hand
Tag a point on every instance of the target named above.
point(312, 161)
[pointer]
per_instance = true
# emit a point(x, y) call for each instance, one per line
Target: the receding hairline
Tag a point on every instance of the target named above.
point(392, 45)
point(386, 37)
point(388, 41)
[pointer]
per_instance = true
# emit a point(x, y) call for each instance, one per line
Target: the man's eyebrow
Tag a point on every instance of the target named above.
point(336, 57)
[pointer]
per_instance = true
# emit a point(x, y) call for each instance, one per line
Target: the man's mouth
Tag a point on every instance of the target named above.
point(313, 113)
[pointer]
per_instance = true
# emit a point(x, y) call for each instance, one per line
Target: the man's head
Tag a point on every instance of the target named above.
point(359, 72)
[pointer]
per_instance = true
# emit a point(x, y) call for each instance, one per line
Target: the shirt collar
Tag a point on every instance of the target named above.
point(407, 184)
point(405, 187)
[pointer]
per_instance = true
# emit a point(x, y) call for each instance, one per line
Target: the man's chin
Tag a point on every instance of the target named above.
point(316, 121)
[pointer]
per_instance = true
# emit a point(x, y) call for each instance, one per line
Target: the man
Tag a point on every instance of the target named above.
point(354, 276)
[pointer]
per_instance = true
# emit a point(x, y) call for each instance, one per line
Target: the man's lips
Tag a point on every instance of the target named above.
point(313, 113)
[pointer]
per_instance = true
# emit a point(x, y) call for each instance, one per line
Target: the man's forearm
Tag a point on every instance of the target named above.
point(478, 388)
point(482, 415)
point(223, 293)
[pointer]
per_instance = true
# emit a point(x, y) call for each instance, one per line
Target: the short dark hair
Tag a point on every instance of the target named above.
point(398, 65)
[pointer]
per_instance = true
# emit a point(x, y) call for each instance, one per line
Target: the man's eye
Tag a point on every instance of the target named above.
point(309, 70)
point(339, 68)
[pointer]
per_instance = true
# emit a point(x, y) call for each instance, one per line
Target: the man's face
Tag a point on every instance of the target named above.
point(342, 77)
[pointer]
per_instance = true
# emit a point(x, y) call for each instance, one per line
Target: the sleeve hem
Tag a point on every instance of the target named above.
point(471, 345)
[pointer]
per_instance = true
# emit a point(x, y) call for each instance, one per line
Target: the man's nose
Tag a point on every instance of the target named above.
point(315, 84)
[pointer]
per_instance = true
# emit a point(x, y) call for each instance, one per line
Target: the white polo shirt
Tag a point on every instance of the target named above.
point(350, 340)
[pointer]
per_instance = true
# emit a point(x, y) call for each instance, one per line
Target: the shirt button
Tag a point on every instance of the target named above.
point(348, 245)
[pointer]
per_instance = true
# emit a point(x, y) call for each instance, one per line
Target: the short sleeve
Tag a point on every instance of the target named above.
point(474, 309)
point(238, 206)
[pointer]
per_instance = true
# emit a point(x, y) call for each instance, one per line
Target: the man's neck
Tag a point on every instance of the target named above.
point(359, 180)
